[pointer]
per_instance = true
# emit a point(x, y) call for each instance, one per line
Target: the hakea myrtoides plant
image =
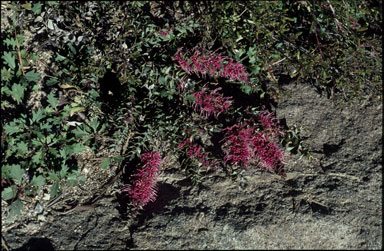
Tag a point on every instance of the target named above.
point(243, 144)
point(215, 65)
point(195, 151)
point(211, 102)
point(143, 185)
point(269, 122)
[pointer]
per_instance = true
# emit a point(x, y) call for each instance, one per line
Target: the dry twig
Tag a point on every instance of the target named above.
point(19, 55)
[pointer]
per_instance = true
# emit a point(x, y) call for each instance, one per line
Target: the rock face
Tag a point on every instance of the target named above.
point(331, 202)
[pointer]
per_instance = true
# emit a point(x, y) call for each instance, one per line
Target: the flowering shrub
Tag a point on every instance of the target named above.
point(244, 143)
point(143, 185)
point(214, 65)
point(196, 152)
point(211, 102)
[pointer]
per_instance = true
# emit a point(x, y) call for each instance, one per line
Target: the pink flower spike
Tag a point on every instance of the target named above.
point(143, 186)
point(211, 102)
point(269, 122)
point(243, 144)
point(182, 144)
point(213, 65)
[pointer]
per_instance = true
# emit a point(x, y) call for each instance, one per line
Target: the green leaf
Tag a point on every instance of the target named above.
point(53, 3)
point(36, 158)
point(5, 75)
point(6, 90)
point(53, 151)
point(94, 94)
point(22, 147)
point(79, 133)
point(72, 179)
point(27, 6)
point(18, 92)
point(81, 179)
point(290, 148)
point(51, 81)
point(64, 170)
point(73, 50)
point(77, 148)
point(37, 116)
point(246, 89)
point(75, 110)
point(59, 58)
point(161, 80)
point(52, 100)
point(16, 173)
point(190, 98)
point(63, 153)
point(94, 124)
point(15, 208)
point(32, 76)
point(10, 42)
point(52, 175)
point(105, 163)
point(54, 189)
point(23, 53)
point(37, 8)
point(8, 193)
point(256, 70)
point(9, 59)
point(118, 158)
point(37, 181)
point(5, 169)
point(46, 126)
point(11, 128)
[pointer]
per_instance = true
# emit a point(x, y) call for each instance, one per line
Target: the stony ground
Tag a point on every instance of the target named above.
point(331, 202)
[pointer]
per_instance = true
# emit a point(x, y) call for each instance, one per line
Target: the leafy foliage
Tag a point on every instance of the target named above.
point(198, 77)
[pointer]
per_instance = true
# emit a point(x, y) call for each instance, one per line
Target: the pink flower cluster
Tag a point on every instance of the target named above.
point(215, 65)
point(269, 122)
point(211, 102)
point(196, 151)
point(244, 144)
point(165, 33)
point(143, 186)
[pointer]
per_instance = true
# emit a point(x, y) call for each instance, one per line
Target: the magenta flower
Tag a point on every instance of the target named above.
point(235, 71)
point(195, 151)
point(182, 144)
point(243, 144)
point(214, 65)
point(211, 102)
point(238, 145)
point(143, 186)
point(269, 122)
point(165, 33)
point(267, 151)
point(183, 63)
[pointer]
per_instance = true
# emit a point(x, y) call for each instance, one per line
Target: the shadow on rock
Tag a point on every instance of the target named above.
point(37, 244)
point(166, 193)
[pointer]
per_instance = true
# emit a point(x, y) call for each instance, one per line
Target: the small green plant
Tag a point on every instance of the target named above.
point(292, 140)
point(38, 144)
